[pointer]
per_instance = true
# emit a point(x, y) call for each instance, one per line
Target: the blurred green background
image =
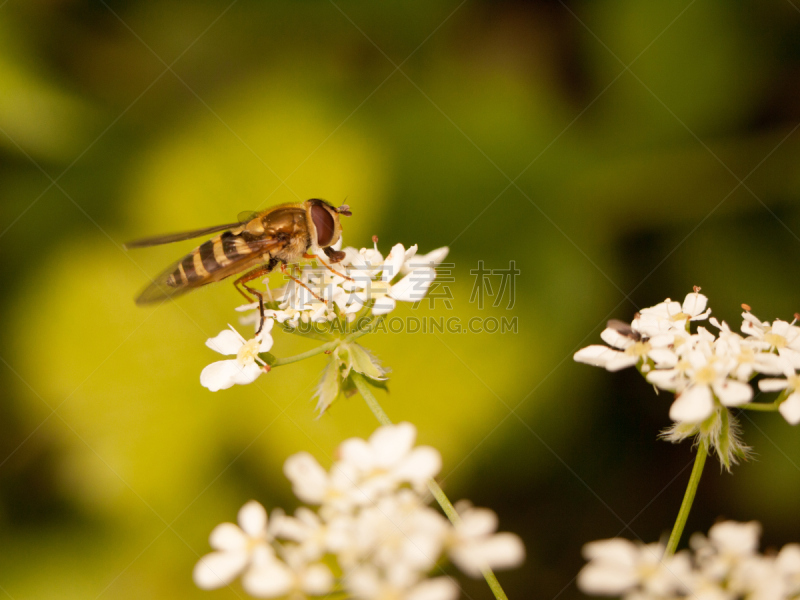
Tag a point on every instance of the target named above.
point(619, 152)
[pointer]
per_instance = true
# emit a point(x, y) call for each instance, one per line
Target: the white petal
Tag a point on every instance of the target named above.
point(664, 378)
point(694, 304)
point(772, 385)
point(788, 559)
point(606, 579)
point(614, 338)
point(227, 536)
point(477, 522)
point(431, 259)
point(317, 580)
point(383, 306)
point(421, 464)
point(414, 286)
point(356, 452)
point(266, 338)
point(663, 358)
point(596, 355)
point(733, 393)
point(616, 550)
point(693, 405)
point(253, 519)
point(227, 342)
point(220, 375)
point(218, 568)
point(393, 262)
point(790, 409)
point(392, 442)
point(309, 479)
point(501, 551)
point(730, 536)
point(268, 580)
point(621, 361)
point(439, 588)
point(246, 374)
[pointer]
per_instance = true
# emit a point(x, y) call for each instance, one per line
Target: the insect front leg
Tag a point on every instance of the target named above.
point(300, 283)
point(249, 276)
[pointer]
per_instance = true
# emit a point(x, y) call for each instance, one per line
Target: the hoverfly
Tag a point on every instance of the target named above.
point(262, 241)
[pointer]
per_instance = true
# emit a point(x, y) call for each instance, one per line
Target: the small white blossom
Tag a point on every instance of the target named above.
point(699, 377)
point(247, 365)
point(367, 583)
point(381, 291)
point(779, 336)
point(366, 469)
point(474, 545)
point(790, 407)
point(628, 348)
point(724, 566)
point(236, 548)
point(620, 567)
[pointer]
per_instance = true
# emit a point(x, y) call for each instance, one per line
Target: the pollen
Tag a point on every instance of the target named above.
point(775, 340)
point(248, 352)
point(706, 375)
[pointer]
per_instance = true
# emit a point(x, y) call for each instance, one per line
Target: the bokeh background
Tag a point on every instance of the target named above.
point(619, 152)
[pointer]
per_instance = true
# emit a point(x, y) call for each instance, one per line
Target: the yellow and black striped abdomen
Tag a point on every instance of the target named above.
point(207, 260)
point(222, 256)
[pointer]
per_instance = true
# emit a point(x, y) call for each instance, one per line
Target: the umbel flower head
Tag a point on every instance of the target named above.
point(372, 522)
point(725, 565)
point(709, 373)
point(333, 303)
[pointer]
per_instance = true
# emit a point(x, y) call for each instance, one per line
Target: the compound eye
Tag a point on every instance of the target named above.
point(323, 221)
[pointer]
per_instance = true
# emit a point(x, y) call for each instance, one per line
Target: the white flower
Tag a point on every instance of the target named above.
point(399, 534)
point(631, 348)
point(365, 470)
point(295, 577)
point(727, 545)
point(789, 408)
point(247, 365)
point(474, 545)
point(366, 583)
point(749, 355)
point(382, 292)
point(698, 377)
point(418, 261)
point(236, 548)
point(780, 336)
point(617, 566)
point(692, 309)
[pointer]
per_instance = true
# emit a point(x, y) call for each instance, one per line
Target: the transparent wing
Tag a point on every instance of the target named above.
point(246, 256)
point(157, 240)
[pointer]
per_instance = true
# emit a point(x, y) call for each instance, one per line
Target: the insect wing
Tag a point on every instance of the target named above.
point(214, 260)
point(178, 237)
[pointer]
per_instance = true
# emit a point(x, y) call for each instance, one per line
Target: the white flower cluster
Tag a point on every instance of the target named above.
point(725, 565)
point(372, 522)
point(364, 281)
point(705, 371)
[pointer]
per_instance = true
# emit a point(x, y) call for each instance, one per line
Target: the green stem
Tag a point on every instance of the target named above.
point(322, 347)
point(688, 499)
point(436, 490)
point(761, 406)
point(303, 355)
point(369, 398)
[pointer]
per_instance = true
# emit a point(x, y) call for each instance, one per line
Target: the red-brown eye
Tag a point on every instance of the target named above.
point(323, 221)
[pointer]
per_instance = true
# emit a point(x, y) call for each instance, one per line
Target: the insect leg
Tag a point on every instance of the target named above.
point(249, 276)
point(300, 283)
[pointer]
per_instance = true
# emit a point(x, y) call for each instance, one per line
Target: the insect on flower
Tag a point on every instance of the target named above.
point(258, 243)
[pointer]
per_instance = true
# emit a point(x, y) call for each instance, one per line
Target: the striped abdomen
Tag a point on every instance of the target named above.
point(208, 259)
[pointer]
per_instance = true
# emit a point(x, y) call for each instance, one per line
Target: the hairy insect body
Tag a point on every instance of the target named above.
point(280, 235)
